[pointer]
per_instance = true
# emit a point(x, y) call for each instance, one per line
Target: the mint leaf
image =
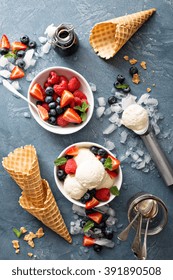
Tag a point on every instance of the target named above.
point(114, 190)
point(83, 116)
point(10, 54)
point(60, 161)
point(17, 232)
point(82, 108)
point(108, 163)
point(121, 86)
point(88, 225)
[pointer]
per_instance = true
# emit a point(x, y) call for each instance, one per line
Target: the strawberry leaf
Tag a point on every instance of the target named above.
point(108, 163)
point(17, 232)
point(83, 116)
point(60, 161)
point(10, 54)
point(82, 108)
point(121, 86)
point(114, 190)
point(88, 225)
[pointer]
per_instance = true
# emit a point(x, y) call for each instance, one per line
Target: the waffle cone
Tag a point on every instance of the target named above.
point(108, 37)
point(48, 214)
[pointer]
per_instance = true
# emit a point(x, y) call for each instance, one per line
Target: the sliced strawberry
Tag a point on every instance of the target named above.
point(103, 194)
point(91, 203)
point(37, 92)
point(73, 84)
point(43, 112)
point(66, 98)
point(80, 94)
point(61, 122)
point(112, 174)
point(4, 43)
point(17, 73)
point(17, 46)
point(115, 162)
point(96, 217)
point(72, 151)
point(70, 167)
point(88, 241)
point(71, 116)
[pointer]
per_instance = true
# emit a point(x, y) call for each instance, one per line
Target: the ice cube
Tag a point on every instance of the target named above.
point(122, 158)
point(99, 112)
point(140, 165)
point(123, 136)
point(111, 221)
point(93, 87)
point(109, 145)
point(110, 129)
point(155, 127)
point(146, 169)
point(105, 242)
point(147, 158)
point(139, 152)
point(78, 210)
point(111, 212)
point(46, 48)
point(101, 101)
point(5, 74)
point(119, 226)
point(27, 58)
point(27, 115)
point(143, 98)
point(128, 100)
point(116, 108)
point(115, 119)
point(16, 85)
point(134, 156)
point(29, 77)
point(108, 111)
point(33, 62)
point(103, 209)
point(3, 61)
point(10, 66)
point(113, 90)
point(42, 40)
point(151, 101)
point(50, 30)
point(119, 95)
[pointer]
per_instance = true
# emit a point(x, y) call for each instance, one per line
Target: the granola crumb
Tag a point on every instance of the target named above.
point(153, 71)
point(17, 251)
point(136, 79)
point(133, 61)
point(30, 255)
point(23, 230)
point(31, 243)
point(143, 65)
point(126, 57)
point(148, 89)
point(15, 244)
point(29, 236)
point(39, 233)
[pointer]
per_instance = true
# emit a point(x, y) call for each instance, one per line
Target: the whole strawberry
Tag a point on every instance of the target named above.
point(103, 194)
point(70, 167)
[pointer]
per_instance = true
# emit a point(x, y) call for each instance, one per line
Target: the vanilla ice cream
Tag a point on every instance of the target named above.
point(107, 182)
point(90, 173)
point(73, 188)
point(83, 154)
point(135, 117)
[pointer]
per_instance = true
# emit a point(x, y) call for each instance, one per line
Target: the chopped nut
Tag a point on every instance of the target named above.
point(17, 251)
point(39, 233)
point(148, 89)
point(133, 61)
point(29, 236)
point(30, 254)
point(126, 57)
point(31, 243)
point(143, 65)
point(15, 244)
point(136, 79)
point(23, 230)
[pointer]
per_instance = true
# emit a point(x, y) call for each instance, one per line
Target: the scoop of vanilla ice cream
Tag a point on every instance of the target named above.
point(83, 154)
point(73, 188)
point(135, 117)
point(90, 173)
point(107, 182)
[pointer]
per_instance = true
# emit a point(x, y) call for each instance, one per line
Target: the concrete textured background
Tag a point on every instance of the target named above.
point(152, 43)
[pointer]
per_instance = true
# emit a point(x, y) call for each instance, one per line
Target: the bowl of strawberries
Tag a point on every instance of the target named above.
point(88, 174)
point(63, 98)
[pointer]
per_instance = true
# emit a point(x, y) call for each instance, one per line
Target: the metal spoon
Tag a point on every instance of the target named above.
point(136, 245)
point(144, 207)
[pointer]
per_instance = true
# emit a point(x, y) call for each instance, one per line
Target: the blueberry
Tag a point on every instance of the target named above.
point(59, 110)
point(61, 175)
point(92, 192)
point(133, 70)
point(21, 63)
point(24, 39)
point(117, 85)
point(112, 100)
point(39, 103)
point(94, 150)
point(52, 105)
point(82, 223)
point(108, 233)
point(86, 197)
point(20, 53)
point(58, 100)
point(4, 51)
point(49, 91)
point(120, 79)
point(68, 156)
point(126, 90)
point(52, 112)
point(102, 225)
point(102, 152)
point(52, 120)
point(48, 99)
point(97, 248)
point(89, 211)
point(102, 160)
point(32, 44)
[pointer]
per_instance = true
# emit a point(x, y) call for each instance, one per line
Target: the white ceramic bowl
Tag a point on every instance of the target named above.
point(118, 179)
point(85, 87)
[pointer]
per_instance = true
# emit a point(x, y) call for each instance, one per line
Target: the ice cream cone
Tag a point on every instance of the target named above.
point(108, 37)
point(48, 214)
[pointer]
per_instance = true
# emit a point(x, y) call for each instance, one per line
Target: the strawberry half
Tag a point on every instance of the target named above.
point(66, 98)
point(96, 217)
point(115, 162)
point(70, 167)
point(37, 92)
point(103, 194)
point(71, 116)
point(43, 112)
point(88, 241)
point(91, 203)
point(4, 43)
point(112, 174)
point(17, 46)
point(72, 151)
point(17, 73)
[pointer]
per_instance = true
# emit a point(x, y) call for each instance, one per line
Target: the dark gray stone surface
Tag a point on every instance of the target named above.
point(152, 43)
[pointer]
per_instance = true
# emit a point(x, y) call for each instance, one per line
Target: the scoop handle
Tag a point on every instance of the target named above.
point(158, 156)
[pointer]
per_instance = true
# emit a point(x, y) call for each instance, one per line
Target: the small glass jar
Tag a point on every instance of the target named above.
point(65, 40)
point(156, 223)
